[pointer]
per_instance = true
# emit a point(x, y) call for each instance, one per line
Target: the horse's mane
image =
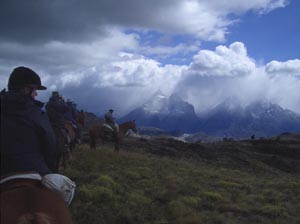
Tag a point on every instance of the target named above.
point(127, 122)
point(35, 218)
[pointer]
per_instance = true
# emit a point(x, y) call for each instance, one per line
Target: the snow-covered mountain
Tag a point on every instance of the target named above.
point(230, 119)
point(169, 113)
point(227, 119)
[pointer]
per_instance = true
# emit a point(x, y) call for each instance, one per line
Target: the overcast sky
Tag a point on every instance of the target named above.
point(116, 54)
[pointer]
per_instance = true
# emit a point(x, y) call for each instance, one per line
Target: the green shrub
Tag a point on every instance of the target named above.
point(191, 201)
point(272, 211)
point(95, 193)
point(106, 181)
point(211, 196)
point(177, 210)
point(229, 185)
point(210, 200)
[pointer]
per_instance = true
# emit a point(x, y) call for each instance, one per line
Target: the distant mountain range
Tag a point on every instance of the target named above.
point(228, 119)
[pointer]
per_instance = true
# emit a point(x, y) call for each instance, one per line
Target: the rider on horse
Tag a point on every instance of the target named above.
point(27, 139)
point(110, 120)
point(56, 109)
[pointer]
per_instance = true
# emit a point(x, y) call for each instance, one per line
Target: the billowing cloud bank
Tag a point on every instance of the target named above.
point(214, 76)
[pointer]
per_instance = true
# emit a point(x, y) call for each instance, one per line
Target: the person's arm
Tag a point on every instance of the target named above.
point(49, 150)
point(61, 107)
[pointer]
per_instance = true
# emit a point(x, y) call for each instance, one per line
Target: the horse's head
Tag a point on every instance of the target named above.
point(129, 125)
point(80, 118)
point(133, 126)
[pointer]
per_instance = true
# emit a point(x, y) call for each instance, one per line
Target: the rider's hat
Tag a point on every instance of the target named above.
point(55, 94)
point(22, 76)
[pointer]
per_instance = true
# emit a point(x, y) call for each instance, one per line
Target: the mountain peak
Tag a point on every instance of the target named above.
point(230, 105)
point(155, 104)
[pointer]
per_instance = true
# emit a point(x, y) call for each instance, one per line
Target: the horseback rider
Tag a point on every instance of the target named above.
point(56, 109)
point(71, 116)
point(72, 113)
point(110, 120)
point(27, 139)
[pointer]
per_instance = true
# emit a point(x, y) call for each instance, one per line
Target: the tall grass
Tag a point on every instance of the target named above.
point(140, 188)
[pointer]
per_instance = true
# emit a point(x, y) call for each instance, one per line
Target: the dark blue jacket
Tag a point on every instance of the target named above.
point(56, 109)
point(27, 138)
point(72, 113)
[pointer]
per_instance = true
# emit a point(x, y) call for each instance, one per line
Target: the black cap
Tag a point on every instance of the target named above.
point(22, 76)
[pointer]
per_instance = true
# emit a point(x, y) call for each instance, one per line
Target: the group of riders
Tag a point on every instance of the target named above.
point(30, 135)
point(61, 114)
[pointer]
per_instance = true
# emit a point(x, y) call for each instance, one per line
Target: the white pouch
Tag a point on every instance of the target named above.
point(61, 185)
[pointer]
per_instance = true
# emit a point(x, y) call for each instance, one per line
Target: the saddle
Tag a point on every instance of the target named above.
point(110, 128)
point(20, 180)
point(60, 184)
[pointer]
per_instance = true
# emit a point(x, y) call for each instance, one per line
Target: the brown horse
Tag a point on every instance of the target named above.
point(66, 142)
point(63, 152)
point(80, 118)
point(25, 201)
point(71, 135)
point(101, 132)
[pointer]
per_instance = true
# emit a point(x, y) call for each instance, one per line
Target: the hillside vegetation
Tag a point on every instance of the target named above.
point(166, 181)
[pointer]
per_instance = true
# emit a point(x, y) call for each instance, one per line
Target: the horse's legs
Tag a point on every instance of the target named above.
point(117, 142)
point(117, 147)
point(92, 143)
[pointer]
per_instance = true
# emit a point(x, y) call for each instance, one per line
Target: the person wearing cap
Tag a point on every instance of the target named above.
point(56, 109)
point(28, 143)
point(27, 139)
point(110, 120)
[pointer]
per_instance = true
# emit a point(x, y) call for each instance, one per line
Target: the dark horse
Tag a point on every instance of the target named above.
point(80, 118)
point(25, 201)
point(66, 143)
point(74, 134)
point(102, 132)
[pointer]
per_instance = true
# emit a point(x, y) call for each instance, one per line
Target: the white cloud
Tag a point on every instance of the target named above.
point(123, 83)
point(290, 67)
point(232, 61)
point(165, 51)
point(214, 76)
point(238, 7)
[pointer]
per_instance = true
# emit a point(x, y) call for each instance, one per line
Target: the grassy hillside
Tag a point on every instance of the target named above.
point(140, 186)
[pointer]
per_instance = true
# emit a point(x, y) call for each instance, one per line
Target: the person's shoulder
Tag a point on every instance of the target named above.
point(16, 100)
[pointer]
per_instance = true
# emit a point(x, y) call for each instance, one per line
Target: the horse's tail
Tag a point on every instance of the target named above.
point(35, 218)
